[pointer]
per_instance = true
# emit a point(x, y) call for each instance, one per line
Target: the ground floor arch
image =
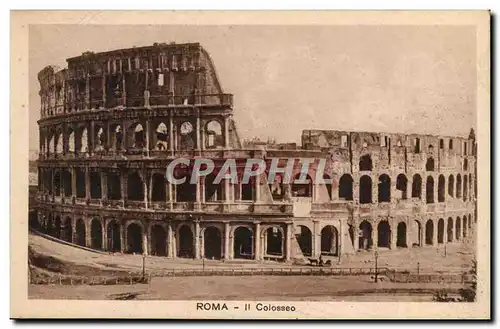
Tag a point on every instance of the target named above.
point(67, 230)
point(186, 242)
point(458, 229)
point(329, 240)
point(429, 232)
point(134, 238)
point(274, 241)
point(80, 236)
point(96, 234)
point(401, 235)
point(417, 233)
point(440, 232)
point(158, 240)
point(304, 239)
point(449, 229)
point(365, 235)
point(383, 234)
point(243, 243)
point(114, 238)
point(212, 240)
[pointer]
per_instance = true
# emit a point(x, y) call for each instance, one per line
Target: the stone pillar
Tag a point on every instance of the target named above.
point(226, 132)
point(87, 93)
point(375, 235)
point(197, 238)
point(145, 242)
point(423, 195)
point(104, 186)
point(123, 237)
point(394, 234)
point(257, 188)
point(73, 182)
point(375, 182)
point(198, 190)
point(103, 91)
point(104, 235)
point(170, 241)
point(147, 133)
point(123, 187)
point(145, 190)
point(355, 190)
point(198, 129)
point(316, 240)
point(258, 252)
point(124, 90)
point(227, 251)
point(170, 134)
point(87, 184)
point(288, 245)
point(88, 232)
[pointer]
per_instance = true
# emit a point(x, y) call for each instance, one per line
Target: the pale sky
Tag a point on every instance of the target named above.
point(408, 79)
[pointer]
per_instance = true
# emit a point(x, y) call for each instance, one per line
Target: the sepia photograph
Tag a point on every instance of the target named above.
point(248, 169)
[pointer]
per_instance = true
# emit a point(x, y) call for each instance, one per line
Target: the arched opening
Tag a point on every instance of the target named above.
point(449, 229)
point(429, 190)
point(213, 243)
point(213, 135)
point(67, 230)
point(57, 183)
point(96, 234)
point(71, 142)
point(135, 188)
point(401, 235)
point(84, 141)
point(429, 232)
point(465, 188)
point(276, 187)
point(417, 231)
point(365, 236)
point(213, 192)
point(441, 188)
point(95, 185)
point(186, 242)
point(429, 165)
point(80, 183)
point(100, 139)
point(247, 190)
point(304, 238)
point(185, 192)
point(329, 240)
point(134, 238)
point(138, 140)
point(384, 234)
point(274, 241)
point(302, 188)
point(161, 137)
point(158, 192)
point(117, 138)
point(59, 144)
point(365, 189)
point(451, 183)
point(243, 243)
point(470, 222)
point(114, 186)
point(464, 227)
point(402, 185)
point(114, 238)
point(440, 230)
point(416, 187)
point(458, 230)
point(51, 148)
point(328, 185)
point(365, 163)
point(66, 182)
point(384, 188)
point(80, 232)
point(345, 187)
point(158, 241)
point(57, 227)
point(186, 140)
point(459, 186)
point(466, 165)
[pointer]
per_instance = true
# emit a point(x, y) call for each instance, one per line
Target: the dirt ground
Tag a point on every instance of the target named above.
point(317, 288)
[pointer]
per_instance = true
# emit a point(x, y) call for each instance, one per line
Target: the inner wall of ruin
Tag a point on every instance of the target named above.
point(112, 122)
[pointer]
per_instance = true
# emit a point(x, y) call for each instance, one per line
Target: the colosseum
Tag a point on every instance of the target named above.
point(111, 123)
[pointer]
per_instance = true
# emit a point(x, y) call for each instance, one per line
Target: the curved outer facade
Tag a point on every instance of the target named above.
point(112, 122)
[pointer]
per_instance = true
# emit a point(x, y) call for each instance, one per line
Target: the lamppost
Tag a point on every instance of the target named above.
point(376, 265)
